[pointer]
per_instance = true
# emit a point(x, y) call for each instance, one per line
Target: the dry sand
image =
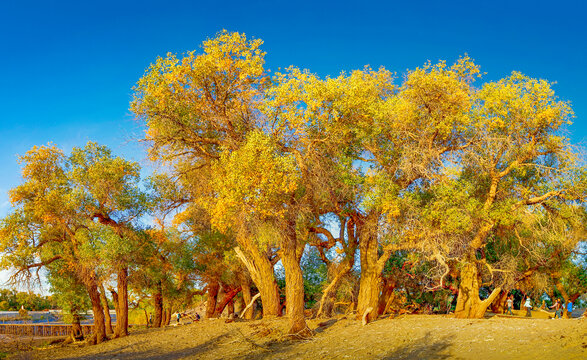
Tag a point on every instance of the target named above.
point(405, 337)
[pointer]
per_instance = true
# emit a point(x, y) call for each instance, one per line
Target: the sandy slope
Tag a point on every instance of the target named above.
point(407, 337)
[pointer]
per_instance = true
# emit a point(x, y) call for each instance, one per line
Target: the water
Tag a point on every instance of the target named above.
point(46, 317)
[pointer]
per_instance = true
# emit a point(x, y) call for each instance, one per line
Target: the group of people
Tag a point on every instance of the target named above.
point(195, 317)
point(557, 306)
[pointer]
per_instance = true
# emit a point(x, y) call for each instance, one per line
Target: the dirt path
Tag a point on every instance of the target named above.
point(408, 337)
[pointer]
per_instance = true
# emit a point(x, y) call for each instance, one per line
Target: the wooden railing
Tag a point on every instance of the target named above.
point(41, 329)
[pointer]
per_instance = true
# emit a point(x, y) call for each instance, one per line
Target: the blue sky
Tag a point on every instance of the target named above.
point(68, 67)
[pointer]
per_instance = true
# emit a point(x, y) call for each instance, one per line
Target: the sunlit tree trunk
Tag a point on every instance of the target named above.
point(121, 303)
point(263, 276)
point(99, 326)
point(294, 282)
point(104, 301)
point(469, 305)
point(329, 295)
point(246, 289)
point(371, 268)
point(213, 288)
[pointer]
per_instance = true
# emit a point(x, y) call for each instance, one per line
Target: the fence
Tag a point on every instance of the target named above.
point(41, 329)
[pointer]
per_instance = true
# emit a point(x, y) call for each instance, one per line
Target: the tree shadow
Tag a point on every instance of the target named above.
point(325, 325)
point(423, 348)
point(153, 355)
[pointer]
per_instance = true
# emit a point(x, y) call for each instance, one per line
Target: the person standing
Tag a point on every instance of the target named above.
point(569, 309)
point(510, 304)
point(557, 308)
point(528, 306)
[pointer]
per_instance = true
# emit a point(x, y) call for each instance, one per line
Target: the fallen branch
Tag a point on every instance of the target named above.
point(250, 304)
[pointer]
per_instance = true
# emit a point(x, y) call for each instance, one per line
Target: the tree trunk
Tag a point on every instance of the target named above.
point(121, 303)
point(566, 298)
point(99, 326)
point(158, 305)
point(246, 289)
point(262, 274)
point(76, 328)
point(329, 294)
point(498, 305)
point(469, 305)
point(213, 287)
point(104, 301)
point(294, 283)
point(116, 304)
point(227, 298)
point(371, 268)
point(167, 318)
point(230, 308)
point(386, 296)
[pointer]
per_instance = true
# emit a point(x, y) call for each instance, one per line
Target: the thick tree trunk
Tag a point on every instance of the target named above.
point(369, 289)
point(227, 299)
point(213, 288)
point(263, 276)
point(246, 289)
point(99, 326)
point(371, 268)
point(294, 283)
point(104, 301)
point(469, 305)
point(121, 303)
point(158, 305)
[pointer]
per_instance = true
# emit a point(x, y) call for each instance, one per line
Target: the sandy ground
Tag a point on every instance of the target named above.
point(405, 337)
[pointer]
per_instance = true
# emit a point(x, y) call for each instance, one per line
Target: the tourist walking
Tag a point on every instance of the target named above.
point(528, 306)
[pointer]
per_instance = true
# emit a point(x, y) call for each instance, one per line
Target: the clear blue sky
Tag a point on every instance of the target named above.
point(68, 66)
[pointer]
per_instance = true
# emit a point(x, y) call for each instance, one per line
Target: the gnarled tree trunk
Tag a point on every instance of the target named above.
point(294, 283)
point(469, 305)
point(229, 294)
point(261, 270)
point(338, 272)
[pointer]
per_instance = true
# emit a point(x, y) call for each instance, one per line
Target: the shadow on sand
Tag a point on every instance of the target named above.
point(423, 348)
point(152, 355)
